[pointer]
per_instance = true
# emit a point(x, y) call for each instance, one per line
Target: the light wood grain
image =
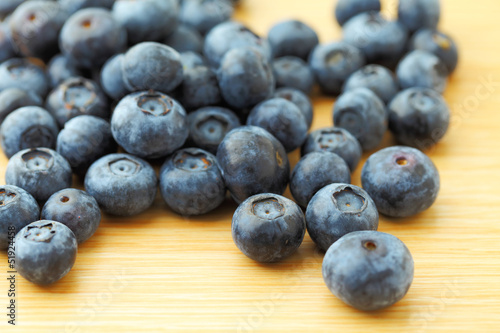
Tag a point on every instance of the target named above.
point(160, 272)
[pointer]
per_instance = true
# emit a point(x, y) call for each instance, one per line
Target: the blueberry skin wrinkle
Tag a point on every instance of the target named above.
point(346, 9)
point(268, 227)
point(368, 270)
point(438, 43)
point(191, 182)
point(45, 252)
point(337, 210)
point(292, 38)
point(17, 209)
point(252, 162)
point(422, 69)
point(402, 181)
point(416, 14)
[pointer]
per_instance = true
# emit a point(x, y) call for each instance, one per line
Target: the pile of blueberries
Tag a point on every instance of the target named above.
point(108, 89)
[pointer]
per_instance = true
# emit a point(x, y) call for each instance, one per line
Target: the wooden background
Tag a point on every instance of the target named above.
point(160, 272)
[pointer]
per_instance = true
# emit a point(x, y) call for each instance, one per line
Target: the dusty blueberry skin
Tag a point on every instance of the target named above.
point(239, 89)
point(416, 14)
point(28, 127)
point(377, 78)
point(122, 184)
point(45, 252)
point(208, 126)
point(268, 227)
point(12, 99)
point(8, 6)
point(283, 119)
point(380, 40)
point(149, 124)
point(252, 162)
point(368, 270)
point(337, 210)
point(83, 140)
point(40, 171)
point(17, 209)
point(292, 38)
point(363, 114)
point(191, 59)
point(438, 43)
point(91, 36)
point(231, 35)
point(334, 140)
point(333, 63)
point(111, 78)
point(203, 15)
point(422, 69)
point(293, 72)
point(152, 65)
point(146, 20)
point(199, 88)
point(402, 181)
point(298, 98)
point(419, 117)
point(77, 96)
point(35, 26)
point(191, 182)
point(185, 39)
point(6, 49)
point(315, 171)
point(72, 6)
point(346, 9)
point(61, 68)
point(75, 209)
point(24, 74)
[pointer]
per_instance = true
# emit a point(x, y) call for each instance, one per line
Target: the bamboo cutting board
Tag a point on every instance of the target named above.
point(160, 272)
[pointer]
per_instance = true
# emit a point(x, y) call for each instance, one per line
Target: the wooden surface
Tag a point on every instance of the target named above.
point(160, 272)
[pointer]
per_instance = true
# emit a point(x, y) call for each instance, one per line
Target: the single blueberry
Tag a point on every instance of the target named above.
point(438, 43)
point(377, 78)
point(422, 69)
point(61, 68)
point(293, 72)
point(111, 78)
point(25, 74)
point(203, 15)
point(12, 99)
point(72, 6)
point(292, 38)
point(416, 14)
point(191, 59)
point(199, 88)
point(346, 9)
point(185, 39)
point(298, 98)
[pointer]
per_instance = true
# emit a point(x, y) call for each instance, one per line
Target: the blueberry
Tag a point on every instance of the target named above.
point(122, 184)
point(17, 209)
point(422, 69)
point(24, 73)
point(203, 15)
point(337, 210)
point(292, 38)
point(346, 9)
point(437, 43)
point(298, 98)
point(72, 6)
point(239, 89)
point(402, 181)
point(380, 40)
point(40, 171)
point(416, 14)
point(209, 125)
point(91, 36)
point(28, 127)
point(75, 97)
point(283, 119)
point(83, 140)
point(61, 68)
point(199, 88)
point(253, 162)
point(151, 65)
point(184, 39)
point(268, 227)
point(231, 35)
point(75, 209)
point(333, 63)
point(35, 27)
point(419, 117)
point(6, 47)
point(334, 140)
point(8, 6)
point(146, 20)
point(12, 99)
point(293, 72)
point(191, 182)
point(363, 114)
point(45, 252)
point(315, 171)
point(368, 270)
point(111, 78)
point(377, 78)
point(192, 59)
point(149, 124)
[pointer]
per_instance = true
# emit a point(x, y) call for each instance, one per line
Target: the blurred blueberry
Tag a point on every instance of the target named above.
point(199, 88)
point(293, 72)
point(416, 14)
point(298, 98)
point(377, 78)
point(422, 69)
point(184, 39)
point(437, 43)
point(6, 48)
point(72, 6)
point(292, 38)
point(111, 77)
point(12, 99)
point(191, 59)
point(346, 9)
point(8, 6)
point(203, 15)
point(24, 73)
point(61, 68)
